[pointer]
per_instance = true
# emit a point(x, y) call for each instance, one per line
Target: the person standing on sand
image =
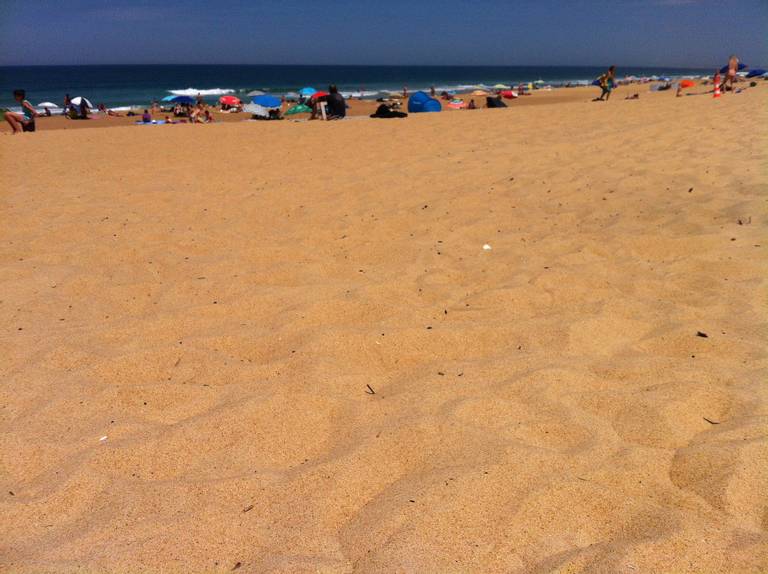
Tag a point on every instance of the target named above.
point(607, 83)
point(22, 123)
point(730, 76)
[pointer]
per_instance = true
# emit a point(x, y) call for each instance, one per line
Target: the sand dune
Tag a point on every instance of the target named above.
point(220, 302)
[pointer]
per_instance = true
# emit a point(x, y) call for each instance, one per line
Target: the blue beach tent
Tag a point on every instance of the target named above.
point(421, 102)
point(168, 98)
point(266, 101)
point(756, 73)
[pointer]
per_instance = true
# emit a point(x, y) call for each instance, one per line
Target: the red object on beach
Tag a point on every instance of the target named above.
point(229, 100)
point(687, 84)
point(318, 95)
point(717, 85)
point(509, 94)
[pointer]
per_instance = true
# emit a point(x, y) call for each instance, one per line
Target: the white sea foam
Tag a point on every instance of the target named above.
point(359, 94)
point(195, 91)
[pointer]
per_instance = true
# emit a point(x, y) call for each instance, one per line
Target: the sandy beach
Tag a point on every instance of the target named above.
point(282, 347)
point(356, 107)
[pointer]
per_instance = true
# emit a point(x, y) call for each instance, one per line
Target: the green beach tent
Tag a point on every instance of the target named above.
point(298, 109)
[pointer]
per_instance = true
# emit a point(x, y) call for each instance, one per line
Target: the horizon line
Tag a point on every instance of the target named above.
point(699, 67)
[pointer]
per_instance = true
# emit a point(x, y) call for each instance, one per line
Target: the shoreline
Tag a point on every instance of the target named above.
point(359, 107)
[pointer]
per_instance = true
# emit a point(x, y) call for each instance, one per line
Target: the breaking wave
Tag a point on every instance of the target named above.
point(195, 91)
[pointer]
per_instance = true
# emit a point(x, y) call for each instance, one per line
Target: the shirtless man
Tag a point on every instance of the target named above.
point(730, 75)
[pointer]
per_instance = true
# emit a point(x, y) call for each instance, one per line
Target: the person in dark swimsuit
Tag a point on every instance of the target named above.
point(336, 106)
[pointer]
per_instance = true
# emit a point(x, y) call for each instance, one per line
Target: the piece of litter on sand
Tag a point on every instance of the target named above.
point(102, 439)
point(710, 421)
point(702, 335)
point(487, 247)
point(370, 391)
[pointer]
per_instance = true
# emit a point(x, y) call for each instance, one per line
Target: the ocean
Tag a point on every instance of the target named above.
point(139, 85)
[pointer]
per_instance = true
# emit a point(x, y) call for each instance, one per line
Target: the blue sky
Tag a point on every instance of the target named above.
point(695, 33)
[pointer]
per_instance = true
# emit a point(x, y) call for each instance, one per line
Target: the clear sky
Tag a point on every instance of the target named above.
point(684, 33)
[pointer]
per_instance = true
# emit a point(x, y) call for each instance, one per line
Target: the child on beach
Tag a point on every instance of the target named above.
point(607, 83)
point(22, 123)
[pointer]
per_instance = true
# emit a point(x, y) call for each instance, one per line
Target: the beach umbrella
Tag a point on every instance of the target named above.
point(168, 98)
point(79, 100)
point(267, 101)
point(257, 110)
point(255, 93)
point(479, 93)
point(47, 105)
point(298, 109)
point(755, 73)
point(306, 92)
point(182, 100)
point(229, 100)
point(724, 69)
point(509, 94)
point(317, 95)
point(502, 87)
point(687, 84)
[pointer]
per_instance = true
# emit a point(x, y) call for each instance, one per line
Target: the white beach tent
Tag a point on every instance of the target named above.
point(47, 105)
point(257, 110)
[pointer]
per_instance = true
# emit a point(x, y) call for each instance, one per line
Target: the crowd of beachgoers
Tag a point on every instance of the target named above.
point(332, 104)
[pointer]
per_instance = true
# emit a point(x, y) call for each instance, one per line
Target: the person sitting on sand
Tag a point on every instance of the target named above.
point(146, 117)
point(607, 83)
point(730, 75)
point(104, 109)
point(24, 122)
point(336, 106)
point(472, 105)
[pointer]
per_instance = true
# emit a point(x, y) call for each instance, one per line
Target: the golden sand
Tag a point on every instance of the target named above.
point(281, 347)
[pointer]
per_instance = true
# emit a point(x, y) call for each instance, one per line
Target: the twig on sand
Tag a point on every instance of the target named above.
point(236, 566)
point(370, 391)
point(711, 421)
point(247, 508)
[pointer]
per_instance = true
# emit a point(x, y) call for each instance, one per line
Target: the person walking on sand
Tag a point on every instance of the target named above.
point(607, 83)
point(730, 76)
point(22, 123)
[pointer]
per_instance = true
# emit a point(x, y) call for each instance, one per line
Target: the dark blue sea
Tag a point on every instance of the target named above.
point(140, 85)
